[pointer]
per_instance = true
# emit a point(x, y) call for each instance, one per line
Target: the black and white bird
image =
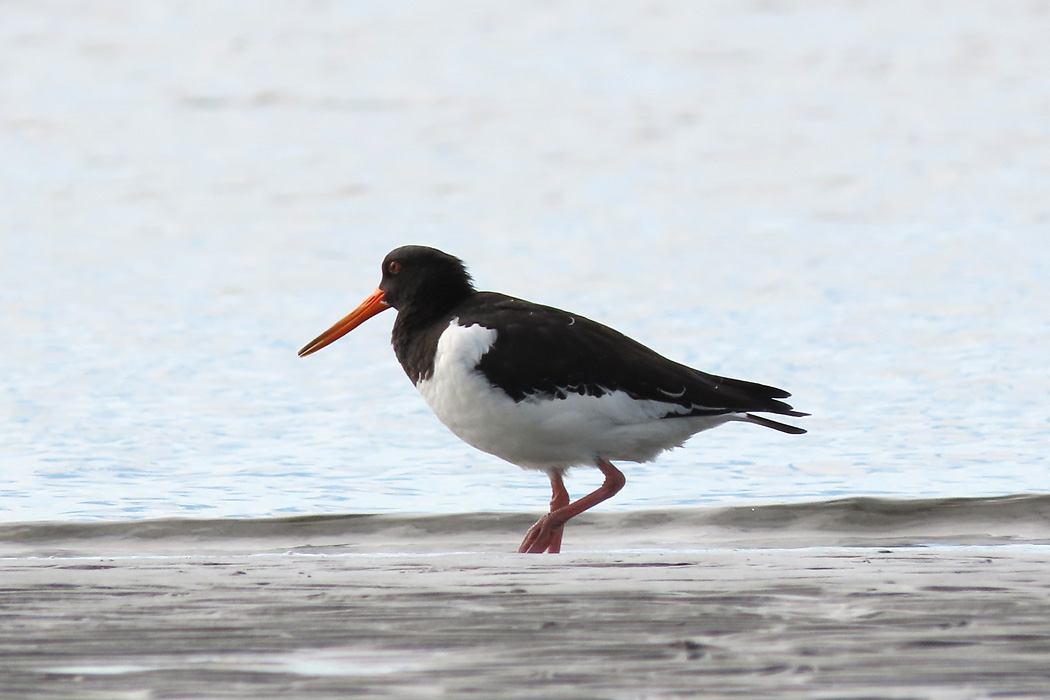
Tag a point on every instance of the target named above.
point(543, 388)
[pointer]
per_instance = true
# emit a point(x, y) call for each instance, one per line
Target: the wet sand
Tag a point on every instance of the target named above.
point(340, 607)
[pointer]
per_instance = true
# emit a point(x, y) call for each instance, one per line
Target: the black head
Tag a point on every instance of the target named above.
point(425, 279)
point(421, 283)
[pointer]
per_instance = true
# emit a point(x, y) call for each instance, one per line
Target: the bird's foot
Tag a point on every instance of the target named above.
point(544, 536)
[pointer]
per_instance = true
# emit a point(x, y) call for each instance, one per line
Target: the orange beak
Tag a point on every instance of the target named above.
point(366, 310)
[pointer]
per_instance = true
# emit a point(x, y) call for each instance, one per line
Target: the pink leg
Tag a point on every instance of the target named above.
point(559, 499)
point(545, 535)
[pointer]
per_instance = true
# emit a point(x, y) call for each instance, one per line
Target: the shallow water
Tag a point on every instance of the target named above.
point(848, 522)
point(834, 200)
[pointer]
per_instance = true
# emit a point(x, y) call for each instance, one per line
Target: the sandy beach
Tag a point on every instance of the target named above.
point(386, 607)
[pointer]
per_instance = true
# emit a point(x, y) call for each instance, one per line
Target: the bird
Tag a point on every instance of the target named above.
point(542, 388)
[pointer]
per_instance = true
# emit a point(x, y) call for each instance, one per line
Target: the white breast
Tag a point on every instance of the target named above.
point(540, 432)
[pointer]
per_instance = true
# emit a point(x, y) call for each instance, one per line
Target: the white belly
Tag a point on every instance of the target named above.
point(544, 433)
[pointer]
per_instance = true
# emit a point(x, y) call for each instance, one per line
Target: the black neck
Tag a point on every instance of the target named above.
point(417, 329)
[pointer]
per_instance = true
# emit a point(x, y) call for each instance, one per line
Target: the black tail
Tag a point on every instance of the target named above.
point(782, 427)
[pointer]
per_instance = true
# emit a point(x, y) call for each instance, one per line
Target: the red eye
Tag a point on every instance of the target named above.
point(393, 267)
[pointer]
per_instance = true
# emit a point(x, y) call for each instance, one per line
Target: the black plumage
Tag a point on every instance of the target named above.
point(545, 352)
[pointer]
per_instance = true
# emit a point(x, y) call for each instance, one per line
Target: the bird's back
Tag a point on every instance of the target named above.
point(543, 351)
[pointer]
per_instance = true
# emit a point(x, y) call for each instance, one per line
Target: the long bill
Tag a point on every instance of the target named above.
point(368, 308)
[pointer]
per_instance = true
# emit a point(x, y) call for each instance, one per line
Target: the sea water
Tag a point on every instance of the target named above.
point(849, 202)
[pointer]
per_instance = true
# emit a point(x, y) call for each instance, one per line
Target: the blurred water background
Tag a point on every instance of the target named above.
point(848, 200)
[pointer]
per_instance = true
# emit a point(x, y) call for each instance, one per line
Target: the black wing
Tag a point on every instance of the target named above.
point(544, 351)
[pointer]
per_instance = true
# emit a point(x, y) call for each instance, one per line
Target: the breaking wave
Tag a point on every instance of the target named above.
point(1017, 519)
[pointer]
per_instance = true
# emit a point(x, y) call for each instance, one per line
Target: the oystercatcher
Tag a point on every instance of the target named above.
point(543, 388)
